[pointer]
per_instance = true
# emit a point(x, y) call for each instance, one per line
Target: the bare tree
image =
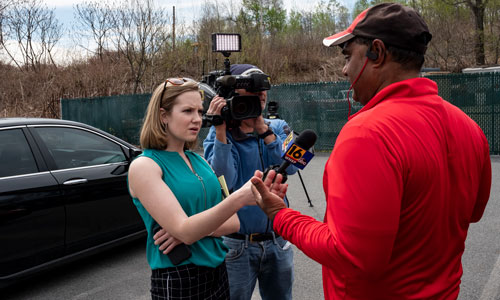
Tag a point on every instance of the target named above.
point(477, 7)
point(492, 31)
point(140, 31)
point(31, 32)
point(4, 4)
point(94, 21)
point(452, 48)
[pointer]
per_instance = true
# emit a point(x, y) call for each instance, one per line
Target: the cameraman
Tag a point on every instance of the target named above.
point(256, 252)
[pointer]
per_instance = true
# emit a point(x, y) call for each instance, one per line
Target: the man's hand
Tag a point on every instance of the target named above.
point(165, 240)
point(260, 126)
point(215, 109)
point(269, 193)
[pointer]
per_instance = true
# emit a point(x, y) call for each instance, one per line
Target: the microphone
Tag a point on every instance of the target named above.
point(296, 152)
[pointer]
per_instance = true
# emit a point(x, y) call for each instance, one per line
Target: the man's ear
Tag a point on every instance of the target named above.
point(377, 51)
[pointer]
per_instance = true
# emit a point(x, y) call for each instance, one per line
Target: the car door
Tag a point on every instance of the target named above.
point(32, 216)
point(92, 171)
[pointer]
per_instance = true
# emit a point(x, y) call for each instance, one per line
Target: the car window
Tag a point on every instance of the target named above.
point(73, 148)
point(16, 157)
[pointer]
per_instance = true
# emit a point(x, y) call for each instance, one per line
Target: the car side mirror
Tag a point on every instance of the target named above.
point(134, 152)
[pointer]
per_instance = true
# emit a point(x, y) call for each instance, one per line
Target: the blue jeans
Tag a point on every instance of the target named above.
point(271, 262)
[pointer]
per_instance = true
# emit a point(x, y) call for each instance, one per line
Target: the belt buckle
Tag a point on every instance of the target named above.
point(251, 236)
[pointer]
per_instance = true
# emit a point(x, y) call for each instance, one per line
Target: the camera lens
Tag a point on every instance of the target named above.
point(245, 107)
point(240, 109)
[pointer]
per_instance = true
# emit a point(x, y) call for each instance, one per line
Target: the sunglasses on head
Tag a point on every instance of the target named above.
point(172, 81)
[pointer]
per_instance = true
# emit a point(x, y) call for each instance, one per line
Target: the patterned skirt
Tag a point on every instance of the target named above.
point(190, 282)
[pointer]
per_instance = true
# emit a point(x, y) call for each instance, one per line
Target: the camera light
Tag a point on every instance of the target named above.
point(226, 42)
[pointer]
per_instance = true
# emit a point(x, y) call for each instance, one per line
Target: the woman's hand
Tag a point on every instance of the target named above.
point(245, 195)
point(166, 241)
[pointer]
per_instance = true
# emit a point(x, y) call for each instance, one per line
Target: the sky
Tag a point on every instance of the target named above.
point(186, 10)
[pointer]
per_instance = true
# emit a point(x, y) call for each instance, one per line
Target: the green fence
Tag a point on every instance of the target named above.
point(321, 107)
point(119, 115)
point(478, 95)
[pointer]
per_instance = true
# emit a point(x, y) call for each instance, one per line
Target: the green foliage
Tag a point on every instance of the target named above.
point(274, 20)
point(294, 22)
point(323, 18)
point(360, 6)
point(268, 17)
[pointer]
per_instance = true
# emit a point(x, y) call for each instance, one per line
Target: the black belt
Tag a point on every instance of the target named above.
point(253, 237)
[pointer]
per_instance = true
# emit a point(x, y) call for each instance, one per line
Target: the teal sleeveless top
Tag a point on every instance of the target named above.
point(196, 192)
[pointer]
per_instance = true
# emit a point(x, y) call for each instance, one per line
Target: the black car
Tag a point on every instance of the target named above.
point(63, 194)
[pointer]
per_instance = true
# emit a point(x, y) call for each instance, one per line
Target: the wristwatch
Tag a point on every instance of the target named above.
point(265, 134)
point(215, 120)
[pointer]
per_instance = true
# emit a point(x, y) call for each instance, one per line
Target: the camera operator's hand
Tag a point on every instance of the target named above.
point(261, 128)
point(215, 109)
point(216, 106)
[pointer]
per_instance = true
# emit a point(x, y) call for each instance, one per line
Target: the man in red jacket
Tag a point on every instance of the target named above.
point(407, 175)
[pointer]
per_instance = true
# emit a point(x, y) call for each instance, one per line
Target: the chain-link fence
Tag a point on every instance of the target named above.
point(321, 107)
point(119, 115)
point(478, 95)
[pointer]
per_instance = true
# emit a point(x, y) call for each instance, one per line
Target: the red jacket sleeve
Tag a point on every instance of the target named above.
point(484, 185)
point(363, 188)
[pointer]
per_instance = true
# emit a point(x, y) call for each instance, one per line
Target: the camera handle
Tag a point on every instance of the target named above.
point(209, 120)
point(227, 63)
point(275, 168)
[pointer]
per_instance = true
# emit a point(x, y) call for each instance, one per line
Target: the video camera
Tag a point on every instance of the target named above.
point(222, 83)
point(272, 110)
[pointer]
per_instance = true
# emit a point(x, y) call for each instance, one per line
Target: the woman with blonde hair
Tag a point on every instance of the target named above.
point(176, 191)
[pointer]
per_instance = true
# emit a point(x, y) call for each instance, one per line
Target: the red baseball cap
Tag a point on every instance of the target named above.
point(396, 25)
